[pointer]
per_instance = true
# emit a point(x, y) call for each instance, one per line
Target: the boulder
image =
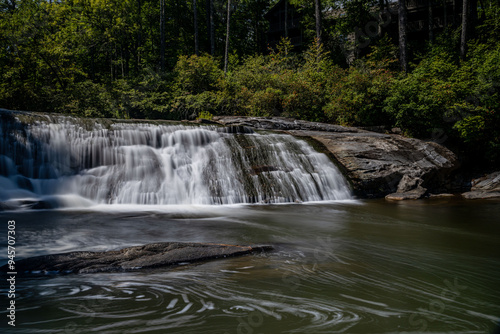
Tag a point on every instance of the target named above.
point(131, 258)
point(408, 188)
point(376, 163)
point(484, 187)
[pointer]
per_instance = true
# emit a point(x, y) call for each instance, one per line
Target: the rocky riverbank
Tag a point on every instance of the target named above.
point(383, 165)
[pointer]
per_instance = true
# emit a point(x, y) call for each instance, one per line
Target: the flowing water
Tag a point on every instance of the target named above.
point(64, 162)
point(340, 265)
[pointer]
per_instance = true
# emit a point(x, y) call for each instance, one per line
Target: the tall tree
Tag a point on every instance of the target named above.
point(210, 25)
point(317, 5)
point(162, 35)
point(402, 27)
point(228, 24)
point(465, 29)
point(196, 37)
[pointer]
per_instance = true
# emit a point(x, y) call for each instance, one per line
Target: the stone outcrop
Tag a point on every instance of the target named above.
point(484, 187)
point(280, 123)
point(376, 164)
point(408, 188)
point(131, 258)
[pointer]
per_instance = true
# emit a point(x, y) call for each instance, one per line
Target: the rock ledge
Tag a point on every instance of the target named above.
point(131, 258)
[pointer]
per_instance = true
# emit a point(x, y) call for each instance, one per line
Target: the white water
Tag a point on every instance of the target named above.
point(66, 163)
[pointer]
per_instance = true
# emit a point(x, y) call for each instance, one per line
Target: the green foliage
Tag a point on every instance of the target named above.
point(417, 101)
point(358, 97)
point(205, 115)
point(197, 74)
point(462, 99)
point(103, 58)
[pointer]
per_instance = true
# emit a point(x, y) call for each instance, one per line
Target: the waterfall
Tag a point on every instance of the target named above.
point(60, 159)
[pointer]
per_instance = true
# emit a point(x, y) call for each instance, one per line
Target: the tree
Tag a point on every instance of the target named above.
point(210, 25)
point(162, 35)
point(402, 27)
point(228, 24)
point(196, 37)
point(317, 4)
point(469, 20)
point(465, 27)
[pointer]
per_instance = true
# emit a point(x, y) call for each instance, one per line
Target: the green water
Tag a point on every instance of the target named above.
point(346, 267)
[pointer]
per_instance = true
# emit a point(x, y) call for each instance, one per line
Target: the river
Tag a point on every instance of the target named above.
point(355, 266)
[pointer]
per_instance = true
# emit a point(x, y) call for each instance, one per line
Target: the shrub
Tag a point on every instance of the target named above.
point(419, 100)
point(197, 74)
point(358, 97)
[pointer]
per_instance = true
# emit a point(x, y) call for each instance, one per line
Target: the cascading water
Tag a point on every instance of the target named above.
point(99, 162)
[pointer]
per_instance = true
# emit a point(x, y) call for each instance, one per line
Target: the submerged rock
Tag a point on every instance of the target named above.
point(132, 258)
point(485, 187)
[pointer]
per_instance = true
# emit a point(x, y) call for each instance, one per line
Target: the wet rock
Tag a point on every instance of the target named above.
point(132, 258)
point(408, 188)
point(236, 129)
point(416, 193)
point(374, 163)
point(262, 169)
point(484, 187)
point(280, 123)
point(442, 196)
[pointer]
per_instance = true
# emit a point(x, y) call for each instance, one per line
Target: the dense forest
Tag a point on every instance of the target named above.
point(176, 59)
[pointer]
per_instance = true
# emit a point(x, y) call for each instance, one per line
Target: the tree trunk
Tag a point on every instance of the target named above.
point(207, 10)
point(465, 29)
point(212, 28)
point(318, 19)
point(162, 35)
point(403, 47)
point(139, 39)
point(226, 53)
point(196, 46)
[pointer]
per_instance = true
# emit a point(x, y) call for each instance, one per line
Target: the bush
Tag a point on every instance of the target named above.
point(87, 99)
point(358, 97)
point(197, 74)
point(418, 101)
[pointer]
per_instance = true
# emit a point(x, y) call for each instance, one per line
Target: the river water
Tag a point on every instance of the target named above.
point(350, 266)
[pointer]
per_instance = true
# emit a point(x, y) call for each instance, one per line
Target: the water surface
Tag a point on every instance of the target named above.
point(339, 267)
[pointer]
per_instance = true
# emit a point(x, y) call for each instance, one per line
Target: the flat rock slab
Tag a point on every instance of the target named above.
point(487, 186)
point(131, 258)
